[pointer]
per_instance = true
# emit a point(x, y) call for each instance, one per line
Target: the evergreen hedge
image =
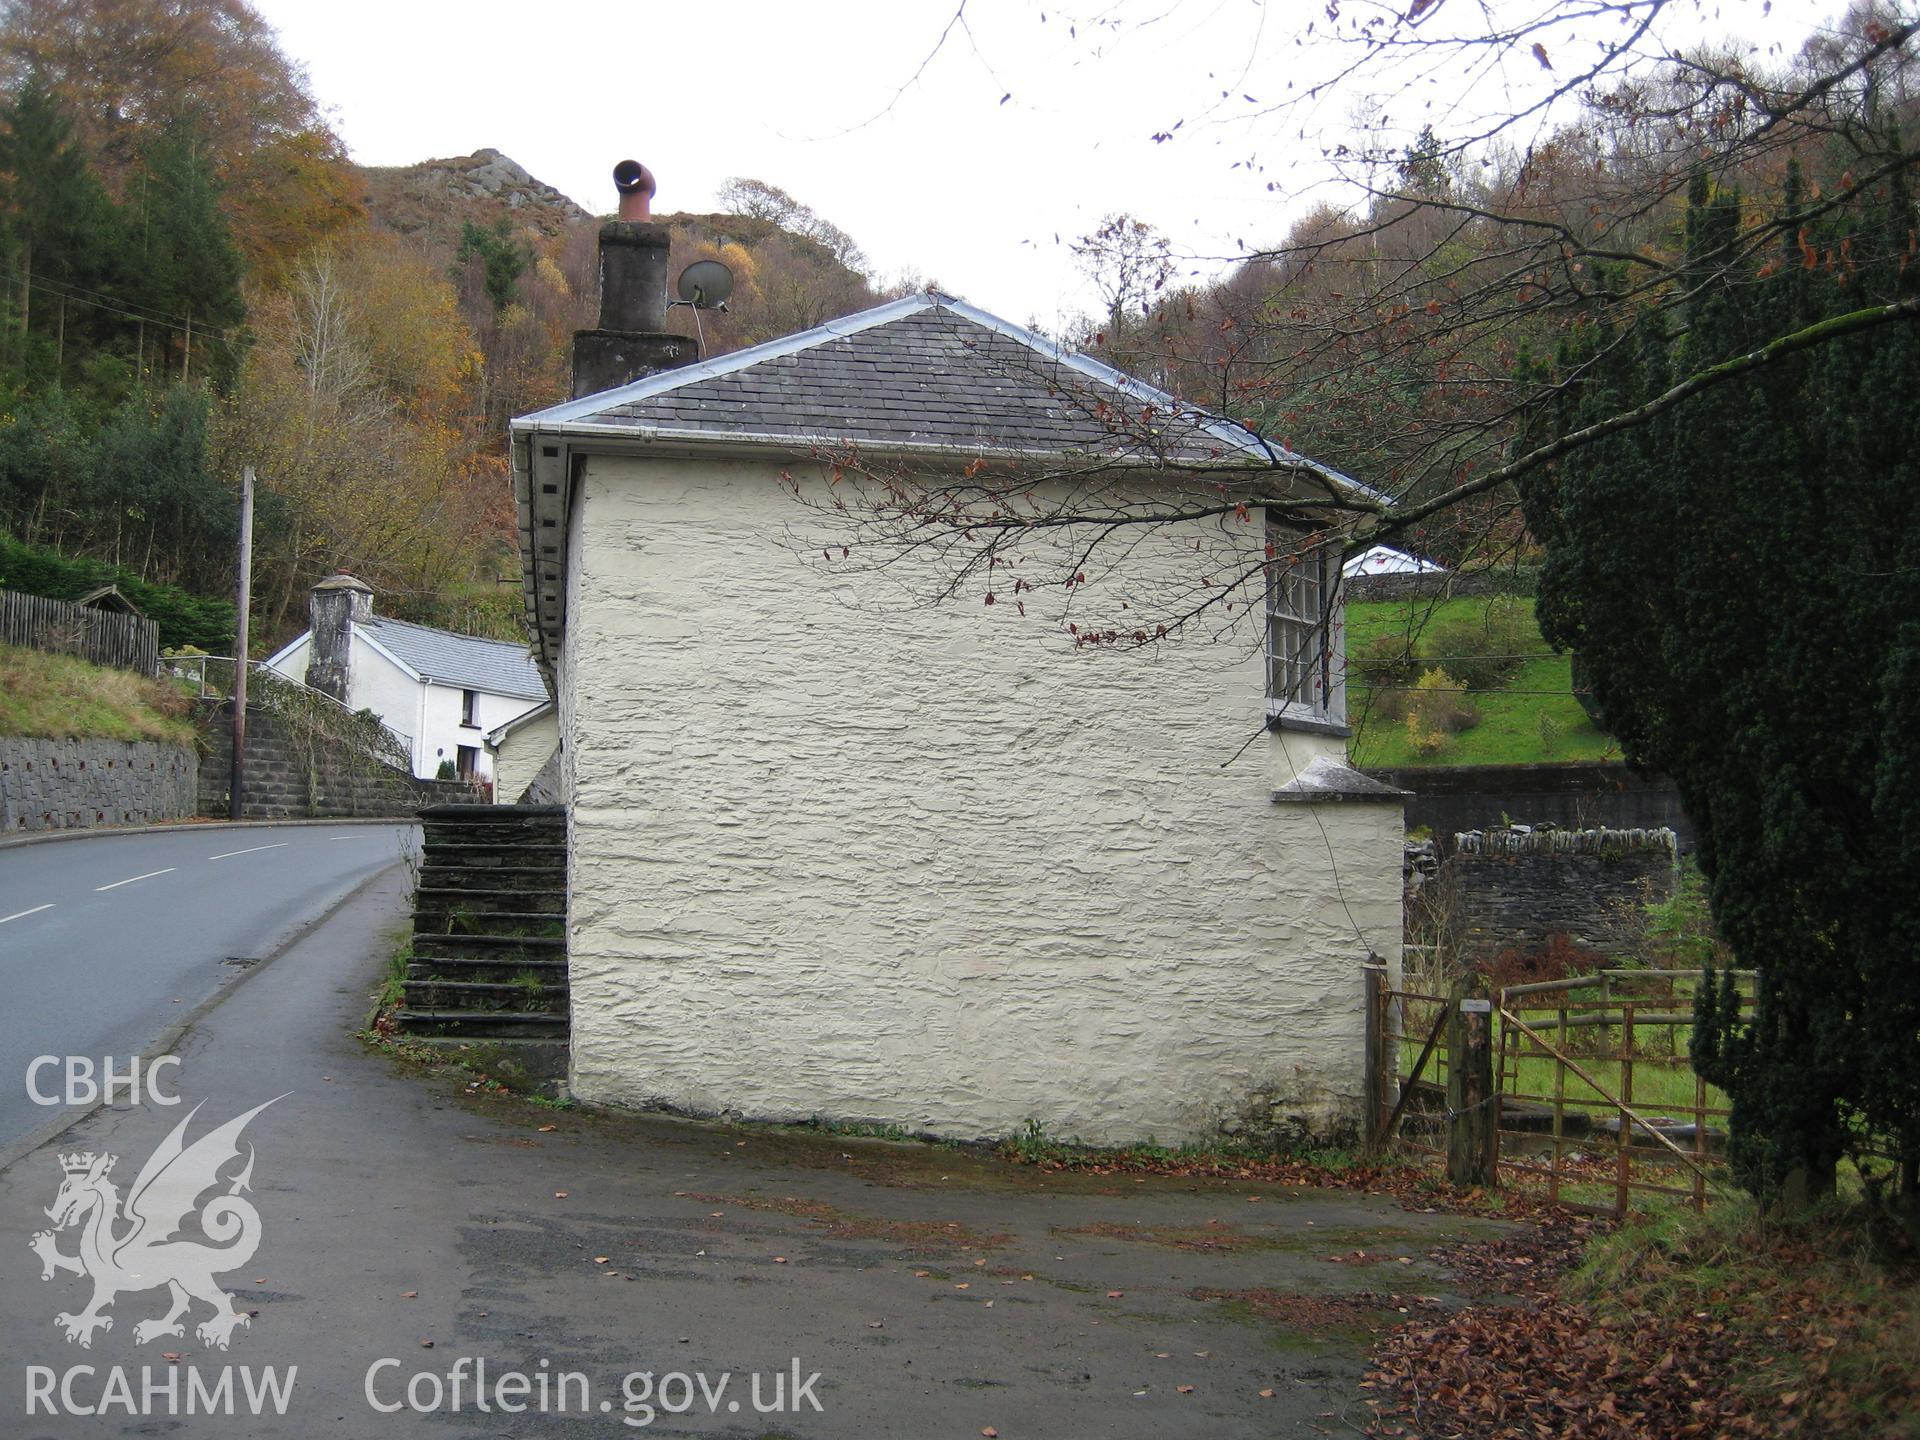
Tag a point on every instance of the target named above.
point(184, 619)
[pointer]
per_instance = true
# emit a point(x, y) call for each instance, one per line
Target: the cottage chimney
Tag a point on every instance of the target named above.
point(332, 608)
point(632, 340)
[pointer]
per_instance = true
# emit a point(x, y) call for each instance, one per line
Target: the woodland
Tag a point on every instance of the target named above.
point(194, 277)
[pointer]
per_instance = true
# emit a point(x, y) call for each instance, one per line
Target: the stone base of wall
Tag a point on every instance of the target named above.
point(74, 784)
point(1292, 1118)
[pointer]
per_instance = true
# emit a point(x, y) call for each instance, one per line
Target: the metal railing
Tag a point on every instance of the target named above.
point(211, 676)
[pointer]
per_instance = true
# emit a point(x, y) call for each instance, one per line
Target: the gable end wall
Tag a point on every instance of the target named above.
point(931, 868)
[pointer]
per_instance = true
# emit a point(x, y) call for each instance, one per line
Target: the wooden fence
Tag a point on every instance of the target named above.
point(126, 642)
point(1582, 1086)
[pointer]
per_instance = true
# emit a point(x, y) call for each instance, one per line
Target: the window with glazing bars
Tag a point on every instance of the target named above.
point(1303, 628)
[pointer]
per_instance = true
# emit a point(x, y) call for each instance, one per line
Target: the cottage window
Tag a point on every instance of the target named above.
point(1306, 687)
point(470, 708)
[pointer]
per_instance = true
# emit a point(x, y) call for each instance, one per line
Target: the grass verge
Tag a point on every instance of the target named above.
point(59, 697)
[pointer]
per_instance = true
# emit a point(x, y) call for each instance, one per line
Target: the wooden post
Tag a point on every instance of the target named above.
point(1559, 1110)
point(1699, 1143)
point(236, 800)
point(1624, 1177)
point(1470, 1118)
point(1375, 1080)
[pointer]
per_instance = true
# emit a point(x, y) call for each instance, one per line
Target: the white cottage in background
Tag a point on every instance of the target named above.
point(1385, 560)
point(438, 692)
point(934, 870)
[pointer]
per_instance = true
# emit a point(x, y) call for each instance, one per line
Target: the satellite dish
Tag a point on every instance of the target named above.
point(705, 285)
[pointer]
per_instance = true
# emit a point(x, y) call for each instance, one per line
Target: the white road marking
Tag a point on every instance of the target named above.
point(131, 878)
point(22, 914)
point(229, 854)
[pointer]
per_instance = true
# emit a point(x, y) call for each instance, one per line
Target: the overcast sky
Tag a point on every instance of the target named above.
point(920, 160)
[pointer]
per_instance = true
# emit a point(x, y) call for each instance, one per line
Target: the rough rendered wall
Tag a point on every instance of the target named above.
point(71, 784)
point(522, 755)
point(931, 867)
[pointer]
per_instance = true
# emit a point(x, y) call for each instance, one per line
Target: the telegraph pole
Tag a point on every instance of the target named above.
point(236, 799)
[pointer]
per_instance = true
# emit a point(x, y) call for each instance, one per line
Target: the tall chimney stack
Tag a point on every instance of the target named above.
point(332, 608)
point(632, 339)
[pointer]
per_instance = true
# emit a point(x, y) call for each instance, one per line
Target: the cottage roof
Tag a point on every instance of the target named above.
point(497, 736)
point(462, 662)
point(927, 376)
point(927, 373)
point(1385, 560)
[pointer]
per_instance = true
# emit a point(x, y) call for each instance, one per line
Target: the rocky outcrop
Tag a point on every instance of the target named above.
point(436, 197)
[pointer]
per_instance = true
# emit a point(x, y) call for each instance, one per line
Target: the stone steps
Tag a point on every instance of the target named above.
point(441, 901)
point(500, 967)
point(456, 921)
point(489, 946)
point(485, 1024)
point(454, 947)
point(477, 995)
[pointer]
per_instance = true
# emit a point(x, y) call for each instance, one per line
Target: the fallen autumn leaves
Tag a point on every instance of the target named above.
point(1677, 1328)
point(1680, 1328)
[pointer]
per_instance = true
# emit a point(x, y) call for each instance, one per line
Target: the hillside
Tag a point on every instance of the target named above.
point(1522, 711)
point(784, 281)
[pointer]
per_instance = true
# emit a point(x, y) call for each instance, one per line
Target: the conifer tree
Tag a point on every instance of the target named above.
point(187, 266)
point(503, 260)
point(1738, 577)
point(58, 228)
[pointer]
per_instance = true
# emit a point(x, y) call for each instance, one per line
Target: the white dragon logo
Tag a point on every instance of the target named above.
point(147, 1254)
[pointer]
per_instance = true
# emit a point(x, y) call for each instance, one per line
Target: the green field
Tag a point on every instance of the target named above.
point(1510, 730)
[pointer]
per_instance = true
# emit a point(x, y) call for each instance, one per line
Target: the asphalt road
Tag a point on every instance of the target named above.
point(409, 1228)
point(107, 941)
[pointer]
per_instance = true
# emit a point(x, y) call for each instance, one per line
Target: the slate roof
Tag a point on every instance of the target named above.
point(464, 662)
point(925, 373)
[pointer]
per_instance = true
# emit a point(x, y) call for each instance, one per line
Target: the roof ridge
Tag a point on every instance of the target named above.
point(1204, 435)
point(1227, 431)
point(436, 630)
point(734, 360)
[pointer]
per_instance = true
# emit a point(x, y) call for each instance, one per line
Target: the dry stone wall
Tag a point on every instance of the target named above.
point(1512, 888)
point(285, 780)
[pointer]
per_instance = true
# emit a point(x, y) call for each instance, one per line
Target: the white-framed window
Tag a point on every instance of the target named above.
point(1306, 630)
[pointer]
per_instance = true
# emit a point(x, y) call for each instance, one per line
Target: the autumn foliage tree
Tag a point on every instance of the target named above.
point(133, 71)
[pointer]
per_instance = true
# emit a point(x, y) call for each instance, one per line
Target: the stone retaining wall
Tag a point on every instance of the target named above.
point(73, 784)
point(1574, 795)
point(283, 782)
